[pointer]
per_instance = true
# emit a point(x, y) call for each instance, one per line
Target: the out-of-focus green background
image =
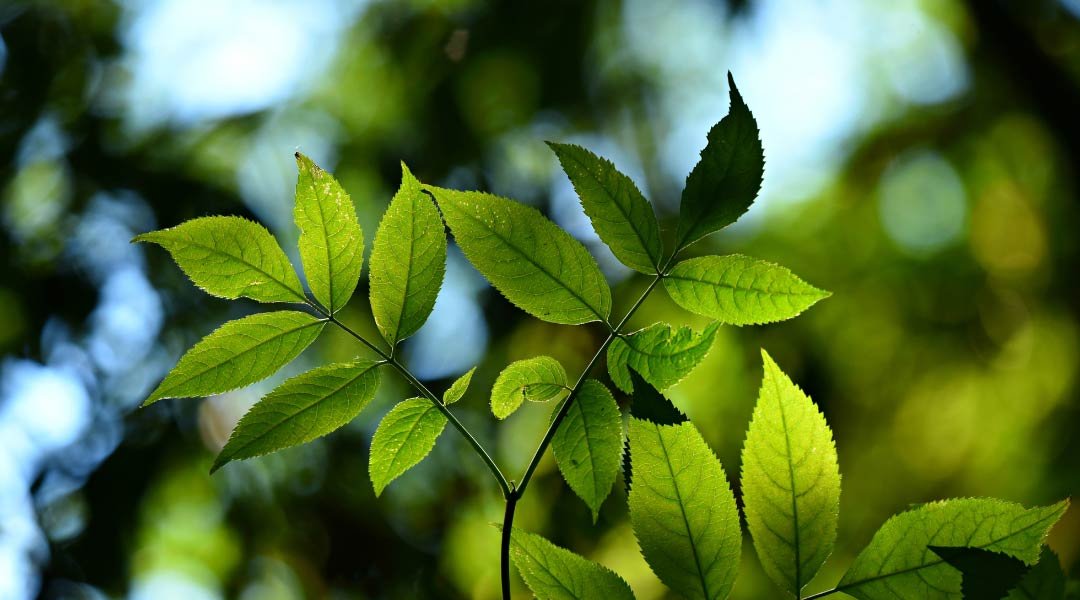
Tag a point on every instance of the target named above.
point(921, 164)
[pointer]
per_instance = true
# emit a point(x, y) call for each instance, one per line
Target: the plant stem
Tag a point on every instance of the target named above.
point(388, 358)
point(822, 594)
point(511, 504)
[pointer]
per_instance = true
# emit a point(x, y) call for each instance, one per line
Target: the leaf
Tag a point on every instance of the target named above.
point(663, 355)
point(790, 482)
point(230, 257)
point(1044, 581)
point(682, 510)
point(985, 575)
point(588, 444)
point(538, 379)
point(726, 180)
point(408, 261)
point(331, 241)
point(458, 388)
point(529, 259)
point(554, 573)
point(739, 290)
point(405, 436)
point(621, 216)
point(239, 353)
point(649, 405)
point(897, 561)
point(302, 409)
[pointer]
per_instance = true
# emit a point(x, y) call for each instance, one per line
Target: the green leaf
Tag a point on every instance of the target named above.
point(405, 436)
point(554, 573)
point(739, 290)
point(408, 261)
point(331, 241)
point(1045, 581)
point(790, 482)
point(726, 180)
point(302, 409)
point(534, 263)
point(588, 444)
point(239, 353)
point(538, 379)
point(621, 216)
point(663, 355)
point(230, 257)
point(682, 509)
point(897, 561)
point(458, 388)
point(985, 575)
point(648, 404)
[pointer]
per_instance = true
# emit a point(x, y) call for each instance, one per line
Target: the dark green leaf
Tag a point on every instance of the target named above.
point(984, 574)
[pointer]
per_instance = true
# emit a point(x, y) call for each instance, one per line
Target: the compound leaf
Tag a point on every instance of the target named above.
point(588, 444)
point(458, 388)
point(662, 354)
point(538, 379)
point(554, 573)
point(621, 216)
point(899, 562)
point(230, 257)
point(302, 409)
point(724, 183)
point(535, 264)
point(682, 509)
point(984, 574)
point(408, 261)
point(790, 482)
point(739, 290)
point(239, 353)
point(1045, 581)
point(405, 436)
point(331, 241)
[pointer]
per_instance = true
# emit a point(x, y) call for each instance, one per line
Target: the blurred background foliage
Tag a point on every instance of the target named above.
point(921, 164)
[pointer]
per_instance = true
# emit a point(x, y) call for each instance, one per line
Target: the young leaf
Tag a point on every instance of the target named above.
point(458, 388)
point(682, 509)
point(663, 355)
point(621, 216)
point(405, 436)
point(534, 263)
point(1045, 581)
point(898, 563)
point(239, 353)
point(725, 182)
point(408, 261)
point(588, 444)
point(230, 257)
point(302, 409)
point(739, 290)
point(790, 482)
point(554, 573)
point(331, 241)
point(538, 379)
point(984, 574)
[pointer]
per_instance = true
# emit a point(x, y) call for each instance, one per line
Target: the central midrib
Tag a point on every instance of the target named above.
point(682, 511)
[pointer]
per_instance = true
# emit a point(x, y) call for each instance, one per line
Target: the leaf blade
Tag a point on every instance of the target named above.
point(458, 388)
point(539, 379)
point(230, 257)
point(404, 437)
point(408, 261)
point(588, 444)
point(662, 354)
point(554, 573)
point(1045, 581)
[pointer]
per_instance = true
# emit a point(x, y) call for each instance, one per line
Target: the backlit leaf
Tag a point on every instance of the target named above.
point(405, 436)
point(662, 354)
point(588, 444)
point(458, 388)
point(554, 573)
point(538, 379)
point(985, 575)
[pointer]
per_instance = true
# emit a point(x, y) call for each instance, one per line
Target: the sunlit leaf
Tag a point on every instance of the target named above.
point(405, 436)
point(458, 388)
point(984, 574)
point(588, 444)
point(538, 379)
point(554, 573)
point(662, 354)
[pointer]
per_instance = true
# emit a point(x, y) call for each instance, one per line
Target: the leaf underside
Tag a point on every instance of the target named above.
point(662, 354)
point(588, 444)
point(538, 379)
point(554, 573)
point(405, 436)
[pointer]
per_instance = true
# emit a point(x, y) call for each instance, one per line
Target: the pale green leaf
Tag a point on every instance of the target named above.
point(554, 573)
point(1045, 581)
point(534, 263)
point(239, 353)
point(682, 510)
point(790, 482)
point(538, 379)
point(408, 261)
point(739, 290)
point(661, 354)
point(230, 257)
point(899, 563)
point(726, 180)
point(458, 388)
point(621, 216)
point(588, 444)
point(405, 436)
point(331, 241)
point(302, 409)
